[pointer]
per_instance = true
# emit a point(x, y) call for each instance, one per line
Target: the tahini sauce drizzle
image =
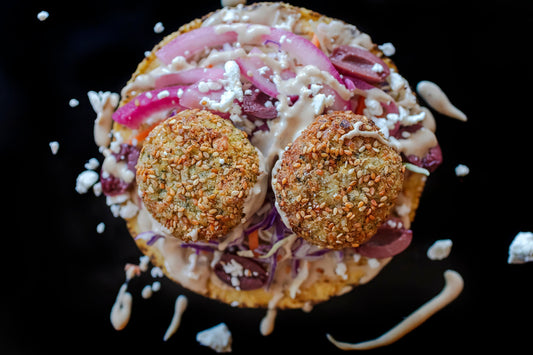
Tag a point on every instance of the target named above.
point(453, 286)
point(121, 310)
point(179, 308)
point(437, 99)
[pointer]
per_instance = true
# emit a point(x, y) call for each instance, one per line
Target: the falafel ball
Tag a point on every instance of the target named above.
point(194, 173)
point(338, 181)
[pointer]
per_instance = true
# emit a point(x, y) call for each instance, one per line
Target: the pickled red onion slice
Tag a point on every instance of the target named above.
point(190, 43)
point(303, 50)
point(188, 77)
point(299, 48)
point(142, 107)
point(193, 96)
point(250, 69)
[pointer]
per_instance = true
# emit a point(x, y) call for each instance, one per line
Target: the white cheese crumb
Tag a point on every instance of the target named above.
point(388, 49)
point(149, 290)
point(156, 272)
point(86, 180)
point(373, 263)
point(462, 170)
point(156, 286)
point(92, 164)
point(235, 270)
point(233, 90)
point(158, 28)
point(43, 15)
point(146, 292)
point(97, 189)
point(340, 270)
point(521, 249)
point(396, 81)
point(100, 228)
point(163, 94)
point(115, 210)
point(217, 338)
point(440, 249)
point(73, 103)
point(129, 210)
point(378, 68)
point(54, 147)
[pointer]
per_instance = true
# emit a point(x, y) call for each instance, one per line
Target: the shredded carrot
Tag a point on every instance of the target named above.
point(315, 41)
point(253, 240)
point(141, 136)
point(360, 105)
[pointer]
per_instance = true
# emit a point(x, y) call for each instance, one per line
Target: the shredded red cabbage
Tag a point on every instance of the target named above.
point(210, 246)
point(150, 237)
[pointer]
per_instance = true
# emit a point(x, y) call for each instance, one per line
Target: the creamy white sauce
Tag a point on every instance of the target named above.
point(256, 194)
point(179, 308)
point(357, 132)
point(266, 326)
point(417, 144)
point(103, 104)
point(303, 274)
point(437, 99)
point(452, 289)
point(121, 310)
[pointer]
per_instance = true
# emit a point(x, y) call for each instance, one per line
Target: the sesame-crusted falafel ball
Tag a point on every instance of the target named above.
point(194, 173)
point(337, 182)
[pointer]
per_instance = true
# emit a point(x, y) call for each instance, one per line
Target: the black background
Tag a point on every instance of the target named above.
point(60, 278)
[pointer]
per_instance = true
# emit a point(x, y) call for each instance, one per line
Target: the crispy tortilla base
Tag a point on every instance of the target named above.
point(321, 290)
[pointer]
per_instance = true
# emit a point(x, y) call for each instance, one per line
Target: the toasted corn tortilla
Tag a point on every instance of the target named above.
point(312, 291)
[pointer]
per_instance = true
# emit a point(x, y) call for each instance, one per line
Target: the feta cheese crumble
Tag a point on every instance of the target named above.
point(440, 249)
point(43, 15)
point(158, 28)
point(86, 180)
point(462, 170)
point(100, 228)
point(521, 249)
point(73, 103)
point(388, 49)
point(217, 338)
point(54, 147)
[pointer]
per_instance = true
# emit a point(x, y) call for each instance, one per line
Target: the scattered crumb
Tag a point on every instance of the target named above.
point(43, 15)
point(158, 28)
point(440, 249)
point(156, 272)
point(462, 170)
point(100, 228)
point(217, 338)
point(54, 147)
point(86, 180)
point(521, 249)
point(149, 290)
point(388, 49)
point(92, 164)
point(73, 103)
